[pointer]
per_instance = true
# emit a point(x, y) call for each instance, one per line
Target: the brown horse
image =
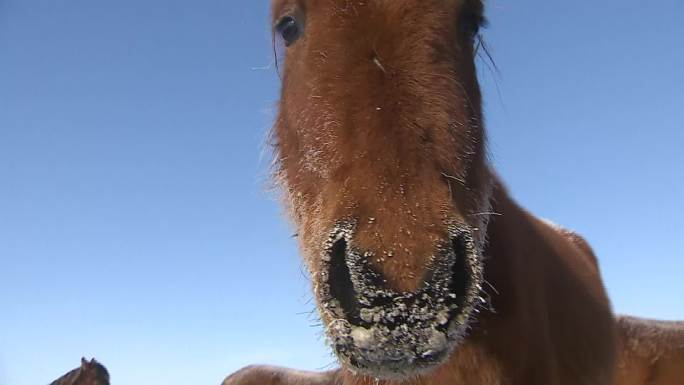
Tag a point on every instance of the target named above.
point(424, 270)
point(89, 373)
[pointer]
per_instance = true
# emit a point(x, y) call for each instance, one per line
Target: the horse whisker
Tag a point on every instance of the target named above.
point(487, 214)
point(377, 63)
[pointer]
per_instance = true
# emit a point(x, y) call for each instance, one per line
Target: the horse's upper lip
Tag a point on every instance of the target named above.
point(387, 333)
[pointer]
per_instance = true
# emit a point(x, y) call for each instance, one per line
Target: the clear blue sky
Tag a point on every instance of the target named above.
point(135, 225)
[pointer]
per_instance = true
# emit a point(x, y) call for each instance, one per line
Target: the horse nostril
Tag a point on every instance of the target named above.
point(340, 282)
point(461, 278)
point(459, 245)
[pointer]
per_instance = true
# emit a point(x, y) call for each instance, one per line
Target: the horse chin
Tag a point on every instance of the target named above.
point(387, 334)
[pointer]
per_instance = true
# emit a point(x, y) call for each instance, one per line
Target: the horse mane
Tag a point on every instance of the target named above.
point(68, 379)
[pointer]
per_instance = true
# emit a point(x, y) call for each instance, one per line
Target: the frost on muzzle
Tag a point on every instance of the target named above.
point(385, 333)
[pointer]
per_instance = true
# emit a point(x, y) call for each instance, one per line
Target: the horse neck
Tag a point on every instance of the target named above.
point(68, 379)
point(534, 270)
point(494, 344)
point(510, 233)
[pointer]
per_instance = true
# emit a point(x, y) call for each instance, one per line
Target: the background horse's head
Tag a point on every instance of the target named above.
point(380, 153)
point(90, 373)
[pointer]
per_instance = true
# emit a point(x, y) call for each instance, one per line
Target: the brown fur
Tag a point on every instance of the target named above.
point(271, 375)
point(89, 373)
point(651, 352)
point(380, 121)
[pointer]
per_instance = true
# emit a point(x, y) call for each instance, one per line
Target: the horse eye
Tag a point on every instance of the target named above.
point(289, 29)
point(471, 23)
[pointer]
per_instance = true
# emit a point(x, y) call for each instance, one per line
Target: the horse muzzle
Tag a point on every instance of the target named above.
point(384, 333)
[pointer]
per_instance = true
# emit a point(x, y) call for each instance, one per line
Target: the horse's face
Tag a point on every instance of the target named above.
point(380, 155)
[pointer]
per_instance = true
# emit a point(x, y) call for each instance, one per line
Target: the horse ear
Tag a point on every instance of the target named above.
point(84, 363)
